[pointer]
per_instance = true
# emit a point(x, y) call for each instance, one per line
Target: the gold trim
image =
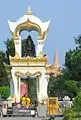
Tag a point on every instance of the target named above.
point(28, 25)
point(18, 73)
point(50, 69)
point(28, 60)
point(42, 35)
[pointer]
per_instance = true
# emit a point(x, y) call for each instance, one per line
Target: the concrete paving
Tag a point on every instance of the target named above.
point(26, 118)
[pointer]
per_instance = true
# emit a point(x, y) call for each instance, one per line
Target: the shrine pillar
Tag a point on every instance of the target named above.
point(43, 84)
point(17, 43)
point(39, 48)
point(15, 86)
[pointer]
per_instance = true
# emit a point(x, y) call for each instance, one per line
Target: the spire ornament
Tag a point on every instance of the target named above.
point(56, 60)
point(29, 11)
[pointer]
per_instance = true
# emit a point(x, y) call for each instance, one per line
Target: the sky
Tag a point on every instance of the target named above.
point(65, 16)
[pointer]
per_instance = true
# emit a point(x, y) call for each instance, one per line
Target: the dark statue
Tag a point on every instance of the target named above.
point(28, 47)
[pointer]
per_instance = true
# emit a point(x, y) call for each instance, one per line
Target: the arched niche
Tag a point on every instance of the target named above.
point(25, 43)
point(25, 33)
point(29, 26)
point(29, 22)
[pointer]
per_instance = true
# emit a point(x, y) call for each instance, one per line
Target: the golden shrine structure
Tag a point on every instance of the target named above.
point(31, 66)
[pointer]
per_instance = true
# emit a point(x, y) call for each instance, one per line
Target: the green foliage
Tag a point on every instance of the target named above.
point(3, 56)
point(60, 86)
point(74, 113)
point(10, 48)
point(3, 73)
point(51, 118)
point(4, 92)
point(72, 69)
point(56, 86)
point(77, 102)
point(69, 115)
point(71, 88)
point(73, 64)
point(78, 41)
point(73, 61)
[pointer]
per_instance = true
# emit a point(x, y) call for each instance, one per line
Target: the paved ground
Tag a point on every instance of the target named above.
point(26, 118)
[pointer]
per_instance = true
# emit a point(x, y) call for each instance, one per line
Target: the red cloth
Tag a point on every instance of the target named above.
point(23, 89)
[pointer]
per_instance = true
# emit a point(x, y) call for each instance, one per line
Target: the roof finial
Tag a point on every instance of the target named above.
point(29, 11)
point(56, 60)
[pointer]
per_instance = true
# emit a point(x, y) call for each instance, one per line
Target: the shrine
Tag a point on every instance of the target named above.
point(25, 67)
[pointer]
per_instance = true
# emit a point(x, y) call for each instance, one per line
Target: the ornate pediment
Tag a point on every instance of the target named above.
point(27, 74)
point(29, 22)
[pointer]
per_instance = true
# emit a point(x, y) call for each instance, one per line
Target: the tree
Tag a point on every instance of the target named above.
point(73, 64)
point(71, 88)
point(28, 47)
point(4, 92)
point(3, 56)
point(78, 41)
point(77, 102)
point(74, 113)
point(69, 114)
point(56, 86)
point(61, 86)
point(10, 49)
point(73, 67)
point(3, 74)
point(73, 61)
